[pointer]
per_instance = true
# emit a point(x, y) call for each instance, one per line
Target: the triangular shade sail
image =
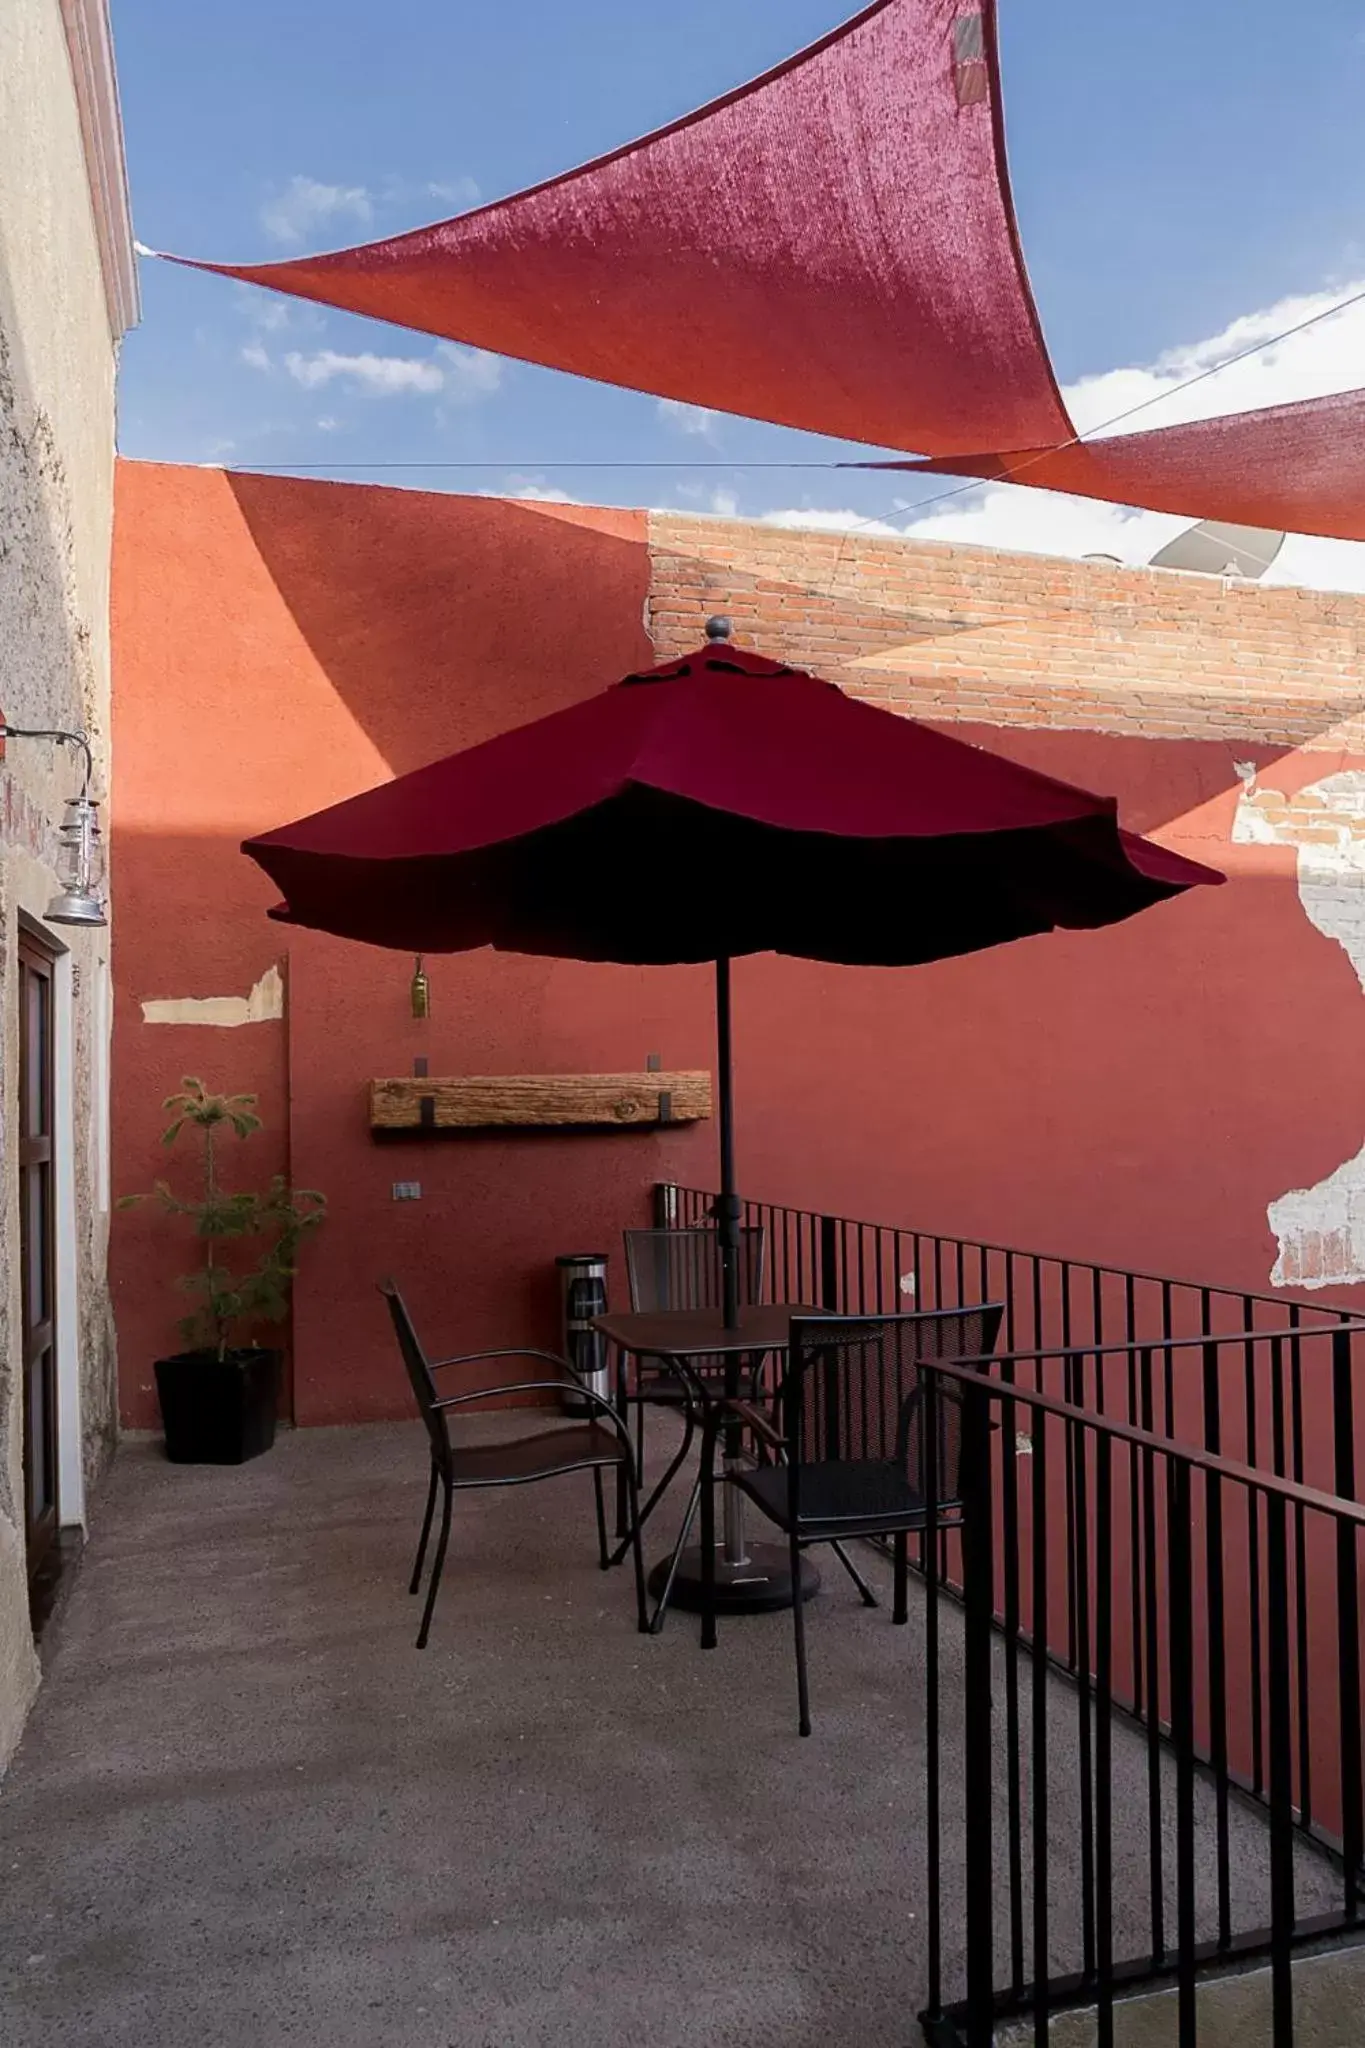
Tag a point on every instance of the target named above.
point(832, 247)
point(1297, 468)
point(720, 804)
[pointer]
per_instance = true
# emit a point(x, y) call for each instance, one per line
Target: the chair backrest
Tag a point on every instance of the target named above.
point(855, 1392)
point(419, 1373)
point(681, 1268)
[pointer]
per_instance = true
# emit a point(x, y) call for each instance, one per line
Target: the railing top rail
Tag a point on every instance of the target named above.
point(981, 1244)
point(1199, 1342)
point(974, 1375)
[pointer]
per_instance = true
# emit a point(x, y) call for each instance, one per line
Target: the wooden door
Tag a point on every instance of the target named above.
point(37, 1249)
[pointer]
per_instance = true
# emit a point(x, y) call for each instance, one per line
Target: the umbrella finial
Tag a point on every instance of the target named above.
point(719, 627)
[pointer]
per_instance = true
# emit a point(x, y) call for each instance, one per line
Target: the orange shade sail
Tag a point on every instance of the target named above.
point(832, 247)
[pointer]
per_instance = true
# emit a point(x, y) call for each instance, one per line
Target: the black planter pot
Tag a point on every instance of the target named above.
point(218, 1411)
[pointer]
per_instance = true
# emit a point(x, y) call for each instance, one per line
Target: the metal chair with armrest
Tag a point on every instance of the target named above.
point(871, 1443)
point(601, 1443)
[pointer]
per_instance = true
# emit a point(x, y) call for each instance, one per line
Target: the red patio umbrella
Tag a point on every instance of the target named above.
point(717, 805)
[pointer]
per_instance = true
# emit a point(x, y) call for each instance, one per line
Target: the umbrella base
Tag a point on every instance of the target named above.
point(762, 1585)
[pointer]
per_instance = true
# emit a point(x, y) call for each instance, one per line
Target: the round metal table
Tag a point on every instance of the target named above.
point(745, 1577)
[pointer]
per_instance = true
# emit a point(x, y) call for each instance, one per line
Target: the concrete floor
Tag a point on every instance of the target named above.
point(246, 1811)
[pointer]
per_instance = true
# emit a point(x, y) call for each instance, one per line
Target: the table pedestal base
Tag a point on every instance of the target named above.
point(760, 1586)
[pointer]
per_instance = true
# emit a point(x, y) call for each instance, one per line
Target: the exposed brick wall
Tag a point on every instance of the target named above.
point(970, 635)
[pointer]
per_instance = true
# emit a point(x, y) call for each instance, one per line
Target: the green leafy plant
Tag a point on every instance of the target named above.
point(233, 1292)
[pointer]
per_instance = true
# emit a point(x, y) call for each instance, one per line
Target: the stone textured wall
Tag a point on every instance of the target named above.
point(968, 635)
point(56, 475)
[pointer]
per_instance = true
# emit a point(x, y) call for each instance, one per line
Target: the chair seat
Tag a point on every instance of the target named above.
point(663, 1386)
point(572, 1449)
point(849, 1498)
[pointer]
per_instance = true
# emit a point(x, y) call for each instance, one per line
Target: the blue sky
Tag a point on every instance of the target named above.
point(1178, 168)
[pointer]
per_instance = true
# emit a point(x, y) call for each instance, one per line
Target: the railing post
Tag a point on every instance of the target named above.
point(1180, 1617)
point(1038, 1433)
point(978, 1549)
point(665, 1205)
point(1281, 1774)
point(829, 1264)
point(1216, 1635)
point(1348, 1622)
point(933, 1802)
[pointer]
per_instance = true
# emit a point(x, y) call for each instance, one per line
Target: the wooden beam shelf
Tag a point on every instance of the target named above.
point(481, 1102)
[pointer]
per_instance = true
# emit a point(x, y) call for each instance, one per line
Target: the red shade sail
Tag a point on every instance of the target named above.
point(1297, 468)
point(832, 247)
point(720, 804)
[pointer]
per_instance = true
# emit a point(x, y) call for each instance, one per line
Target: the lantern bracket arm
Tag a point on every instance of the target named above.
point(64, 738)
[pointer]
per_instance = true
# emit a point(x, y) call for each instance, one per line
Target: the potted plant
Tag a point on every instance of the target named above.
point(218, 1396)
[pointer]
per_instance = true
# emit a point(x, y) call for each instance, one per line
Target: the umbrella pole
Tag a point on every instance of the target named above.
point(735, 1550)
point(727, 1207)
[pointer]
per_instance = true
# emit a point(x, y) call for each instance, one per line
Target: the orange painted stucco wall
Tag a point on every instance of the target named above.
point(1138, 1096)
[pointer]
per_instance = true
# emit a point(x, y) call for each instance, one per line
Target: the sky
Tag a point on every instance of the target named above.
point(1188, 178)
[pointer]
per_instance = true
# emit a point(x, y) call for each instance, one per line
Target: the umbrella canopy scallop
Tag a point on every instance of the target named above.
point(718, 805)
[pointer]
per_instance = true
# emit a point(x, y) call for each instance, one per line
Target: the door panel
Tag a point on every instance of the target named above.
point(37, 1250)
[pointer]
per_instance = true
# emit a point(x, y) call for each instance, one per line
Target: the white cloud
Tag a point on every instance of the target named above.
point(469, 373)
point(831, 521)
point(461, 374)
point(1327, 357)
point(1045, 523)
point(454, 191)
point(536, 490)
point(305, 206)
point(264, 310)
point(382, 376)
point(1021, 521)
point(327, 424)
point(458, 191)
point(697, 420)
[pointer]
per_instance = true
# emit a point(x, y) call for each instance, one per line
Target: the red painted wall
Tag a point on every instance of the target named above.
point(1138, 1095)
point(279, 646)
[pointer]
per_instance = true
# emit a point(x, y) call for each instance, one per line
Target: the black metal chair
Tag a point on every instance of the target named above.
point(682, 1269)
point(600, 1443)
point(667, 1269)
point(871, 1444)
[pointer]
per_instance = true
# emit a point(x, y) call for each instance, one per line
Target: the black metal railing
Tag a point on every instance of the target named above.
point(1095, 1855)
point(1191, 1483)
point(1267, 1379)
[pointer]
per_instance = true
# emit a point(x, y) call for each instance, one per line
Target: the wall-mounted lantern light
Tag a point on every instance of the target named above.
point(80, 862)
point(420, 992)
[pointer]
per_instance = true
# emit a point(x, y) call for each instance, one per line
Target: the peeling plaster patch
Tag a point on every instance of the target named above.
point(1321, 1230)
point(264, 1005)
